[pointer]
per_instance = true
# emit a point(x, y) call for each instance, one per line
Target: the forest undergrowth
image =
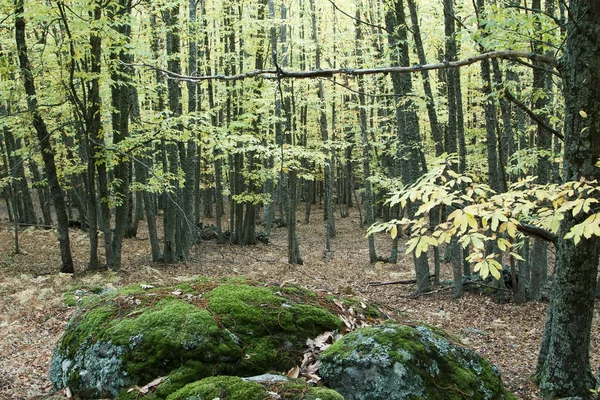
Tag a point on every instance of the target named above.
point(33, 314)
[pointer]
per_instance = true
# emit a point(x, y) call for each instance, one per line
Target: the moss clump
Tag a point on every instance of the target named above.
point(82, 294)
point(272, 330)
point(221, 387)
point(234, 388)
point(167, 335)
point(300, 390)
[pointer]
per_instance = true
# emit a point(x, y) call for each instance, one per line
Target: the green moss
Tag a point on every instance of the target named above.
point(234, 388)
point(299, 389)
point(238, 328)
point(222, 387)
point(85, 326)
point(322, 394)
point(271, 328)
point(158, 335)
point(81, 294)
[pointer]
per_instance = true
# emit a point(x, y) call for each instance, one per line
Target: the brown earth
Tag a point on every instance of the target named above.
point(33, 315)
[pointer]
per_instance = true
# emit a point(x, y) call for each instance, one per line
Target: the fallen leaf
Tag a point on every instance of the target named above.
point(294, 372)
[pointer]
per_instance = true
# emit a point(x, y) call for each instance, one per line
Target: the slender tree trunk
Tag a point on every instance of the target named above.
point(539, 250)
point(362, 114)
point(121, 102)
point(410, 157)
point(175, 216)
point(329, 183)
point(94, 124)
point(44, 140)
point(490, 116)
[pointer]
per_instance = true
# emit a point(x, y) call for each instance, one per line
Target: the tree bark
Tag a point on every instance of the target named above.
point(563, 368)
point(44, 141)
point(411, 158)
point(362, 114)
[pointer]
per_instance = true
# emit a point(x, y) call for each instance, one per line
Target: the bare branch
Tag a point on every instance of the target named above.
point(356, 19)
point(275, 73)
point(533, 116)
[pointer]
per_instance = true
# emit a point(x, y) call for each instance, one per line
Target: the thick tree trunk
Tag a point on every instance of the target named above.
point(563, 368)
point(44, 141)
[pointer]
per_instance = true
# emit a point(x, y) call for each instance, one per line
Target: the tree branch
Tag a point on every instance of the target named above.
point(531, 114)
point(537, 231)
point(356, 19)
point(274, 73)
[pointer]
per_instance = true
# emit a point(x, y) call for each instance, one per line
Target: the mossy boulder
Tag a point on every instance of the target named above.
point(392, 361)
point(235, 388)
point(195, 330)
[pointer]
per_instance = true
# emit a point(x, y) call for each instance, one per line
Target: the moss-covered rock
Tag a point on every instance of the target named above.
point(392, 361)
point(235, 388)
point(188, 332)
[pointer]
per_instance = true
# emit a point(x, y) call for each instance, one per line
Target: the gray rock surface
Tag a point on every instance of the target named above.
point(394, 362)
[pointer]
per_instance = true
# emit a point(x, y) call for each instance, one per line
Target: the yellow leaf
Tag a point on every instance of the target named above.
point(485, 270)
point(511, 228)
point(517, 256)
point(578, 207)
point(503, 244)
point(412, 243)
point(472, 221)
point(478, 243)
point(421, 248)
point(494, 223)
point(586, 204)
point(494, 268)
point(502, 227)
point(583, 113)
point(394, 231)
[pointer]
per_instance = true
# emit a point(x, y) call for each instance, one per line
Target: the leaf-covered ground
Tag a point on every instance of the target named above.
point(33, 314)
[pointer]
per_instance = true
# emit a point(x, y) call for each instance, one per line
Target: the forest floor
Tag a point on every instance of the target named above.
point(33, 314)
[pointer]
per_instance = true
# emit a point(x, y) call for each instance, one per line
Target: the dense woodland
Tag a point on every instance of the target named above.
point(468, 130)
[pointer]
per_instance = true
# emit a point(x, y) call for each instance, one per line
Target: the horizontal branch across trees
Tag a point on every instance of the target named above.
point(278, 73)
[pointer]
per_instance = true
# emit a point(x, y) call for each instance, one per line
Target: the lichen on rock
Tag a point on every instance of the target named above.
point(392, 361)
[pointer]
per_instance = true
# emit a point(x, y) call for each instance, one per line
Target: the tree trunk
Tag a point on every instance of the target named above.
point(490, 115)
point(410, 157)
point(362, 114)
point(328, 172)
point(93, 125)
point(563, 368)
point(44, 141)
point(121, 102)
point(173, 212)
